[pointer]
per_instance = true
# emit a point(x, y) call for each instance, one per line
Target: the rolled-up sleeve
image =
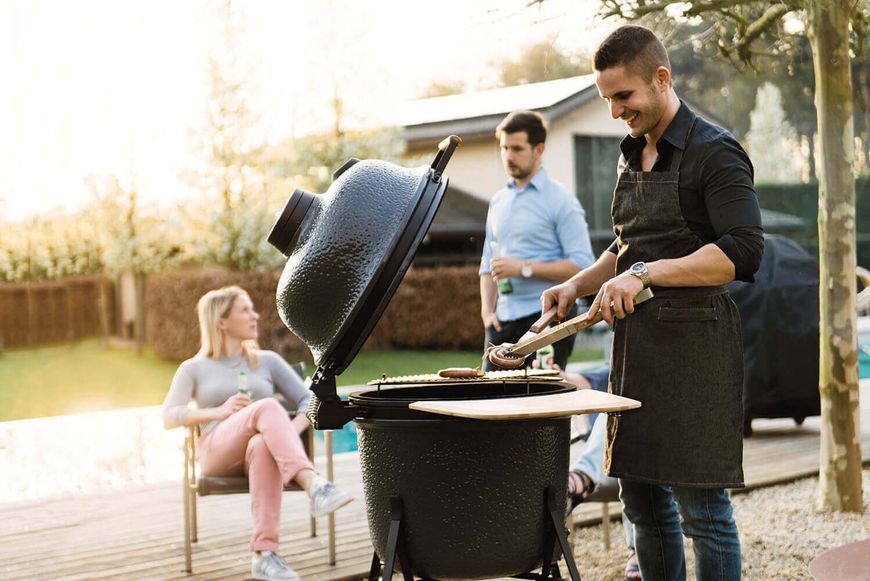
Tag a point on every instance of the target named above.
point(175, 406)
point(726, 180)
point(287, 381)
point(573, 233)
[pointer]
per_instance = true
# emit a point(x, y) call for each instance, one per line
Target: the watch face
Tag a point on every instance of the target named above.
point(638, 267)
point(526, 270)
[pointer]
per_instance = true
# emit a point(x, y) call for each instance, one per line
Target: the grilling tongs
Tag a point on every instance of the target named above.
point(513, 356)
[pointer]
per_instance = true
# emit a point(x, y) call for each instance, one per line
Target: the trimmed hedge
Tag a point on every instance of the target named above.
point(432, 308)
point(41, 313)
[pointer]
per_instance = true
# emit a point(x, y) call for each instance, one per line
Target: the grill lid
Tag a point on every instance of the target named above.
point(347, 251)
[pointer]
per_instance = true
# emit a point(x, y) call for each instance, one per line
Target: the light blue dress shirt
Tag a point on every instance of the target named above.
point(542, 223)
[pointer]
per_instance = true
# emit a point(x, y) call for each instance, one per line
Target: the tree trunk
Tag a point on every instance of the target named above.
point(811, 144)
point(840, 486)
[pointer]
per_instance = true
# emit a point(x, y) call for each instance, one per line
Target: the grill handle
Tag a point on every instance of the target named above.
point(445, 151)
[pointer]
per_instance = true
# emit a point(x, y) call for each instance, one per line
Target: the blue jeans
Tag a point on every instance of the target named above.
point(707, 519)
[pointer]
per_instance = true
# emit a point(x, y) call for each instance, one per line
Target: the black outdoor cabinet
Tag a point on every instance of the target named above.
point(780, 319)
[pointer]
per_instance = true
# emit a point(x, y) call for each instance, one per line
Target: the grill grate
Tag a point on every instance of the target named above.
point(536, 374)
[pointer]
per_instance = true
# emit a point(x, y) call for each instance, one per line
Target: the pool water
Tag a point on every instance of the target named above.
point(864, 362)
point(343, 440)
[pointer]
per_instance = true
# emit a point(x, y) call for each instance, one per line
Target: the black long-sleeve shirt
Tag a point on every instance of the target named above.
point(717, 194)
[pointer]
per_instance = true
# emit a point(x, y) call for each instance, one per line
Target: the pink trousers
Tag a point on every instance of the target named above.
point(259, 441)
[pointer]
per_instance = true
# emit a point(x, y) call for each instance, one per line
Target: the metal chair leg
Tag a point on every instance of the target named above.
point(605, 523)
point(194, 521)
point(185, 496)
point(312, 522)
point(330, 475)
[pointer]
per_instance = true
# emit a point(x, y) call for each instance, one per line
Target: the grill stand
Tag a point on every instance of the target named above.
point(396, 547)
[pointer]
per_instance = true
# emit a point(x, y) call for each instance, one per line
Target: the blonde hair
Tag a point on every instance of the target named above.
point(213, 306)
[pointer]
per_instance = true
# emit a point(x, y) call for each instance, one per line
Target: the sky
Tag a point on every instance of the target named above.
point(101, 87)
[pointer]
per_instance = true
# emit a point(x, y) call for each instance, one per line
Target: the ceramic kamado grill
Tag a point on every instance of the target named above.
point(464, 478)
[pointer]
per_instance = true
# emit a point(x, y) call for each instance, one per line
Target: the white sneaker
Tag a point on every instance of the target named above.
point(269, 566)
point(327, 499)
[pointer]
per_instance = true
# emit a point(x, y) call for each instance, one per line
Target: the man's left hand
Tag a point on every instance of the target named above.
point(616, 297)
point(505, 267)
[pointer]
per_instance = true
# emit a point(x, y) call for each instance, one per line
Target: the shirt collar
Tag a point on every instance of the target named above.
point(676, 133)
point(536, 182)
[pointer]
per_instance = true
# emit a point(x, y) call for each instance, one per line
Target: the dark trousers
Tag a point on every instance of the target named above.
point(511, 331)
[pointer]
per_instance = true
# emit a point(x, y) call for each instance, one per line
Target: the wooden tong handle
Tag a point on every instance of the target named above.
point(544, 321)
point(569, 327)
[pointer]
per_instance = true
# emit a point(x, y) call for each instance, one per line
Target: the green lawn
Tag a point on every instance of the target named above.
point(86, 376)
point(79, 377)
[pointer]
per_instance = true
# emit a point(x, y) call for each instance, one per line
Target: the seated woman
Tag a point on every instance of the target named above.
point(248, 434)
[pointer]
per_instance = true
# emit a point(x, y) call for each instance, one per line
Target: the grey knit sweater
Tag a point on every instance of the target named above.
point(210, 382)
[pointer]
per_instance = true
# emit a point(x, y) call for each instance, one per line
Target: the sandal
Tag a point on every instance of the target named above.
point(580, 486)
point(632, 569)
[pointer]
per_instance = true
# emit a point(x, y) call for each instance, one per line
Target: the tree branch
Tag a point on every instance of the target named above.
point(770, 17)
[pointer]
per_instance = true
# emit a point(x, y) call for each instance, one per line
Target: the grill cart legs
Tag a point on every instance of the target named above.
point(395, 547)
point(549, 570)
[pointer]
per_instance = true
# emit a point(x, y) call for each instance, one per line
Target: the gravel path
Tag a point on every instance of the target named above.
point(780, 533)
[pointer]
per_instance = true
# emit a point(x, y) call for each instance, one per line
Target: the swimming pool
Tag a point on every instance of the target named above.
point(343, 440)
point(864, 362)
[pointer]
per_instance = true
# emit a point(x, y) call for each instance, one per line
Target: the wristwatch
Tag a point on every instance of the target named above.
point(640, 270)
point(526, 270)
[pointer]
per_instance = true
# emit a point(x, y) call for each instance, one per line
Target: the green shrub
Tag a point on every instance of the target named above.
point(437, 308)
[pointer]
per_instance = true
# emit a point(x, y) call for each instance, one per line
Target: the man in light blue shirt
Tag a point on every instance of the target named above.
point(536, 234)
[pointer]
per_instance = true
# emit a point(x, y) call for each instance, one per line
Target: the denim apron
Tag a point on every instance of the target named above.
point(679, 354)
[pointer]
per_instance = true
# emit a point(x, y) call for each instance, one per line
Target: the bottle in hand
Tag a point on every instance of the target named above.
point(243, 384)
point(504, 284)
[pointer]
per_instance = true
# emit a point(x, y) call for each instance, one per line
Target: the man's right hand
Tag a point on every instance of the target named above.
point(491, 320)
point(232, 405)
point(562, 295)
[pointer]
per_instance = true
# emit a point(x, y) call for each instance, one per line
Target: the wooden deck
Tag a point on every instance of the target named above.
point(138, 534)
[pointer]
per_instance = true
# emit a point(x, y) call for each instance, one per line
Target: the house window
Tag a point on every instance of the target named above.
point(595, 161)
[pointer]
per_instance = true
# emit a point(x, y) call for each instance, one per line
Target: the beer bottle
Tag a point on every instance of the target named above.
point(243, 384)
point(504, 284)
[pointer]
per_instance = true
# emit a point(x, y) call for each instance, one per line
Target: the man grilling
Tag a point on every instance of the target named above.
point(686, 219)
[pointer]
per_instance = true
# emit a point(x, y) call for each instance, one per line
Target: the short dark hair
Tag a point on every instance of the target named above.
point(531, 122)
point(637, 48)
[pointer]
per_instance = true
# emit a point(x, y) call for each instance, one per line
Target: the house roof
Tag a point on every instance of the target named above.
point(460, 215)
point(492, 102)
point(478, 113)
